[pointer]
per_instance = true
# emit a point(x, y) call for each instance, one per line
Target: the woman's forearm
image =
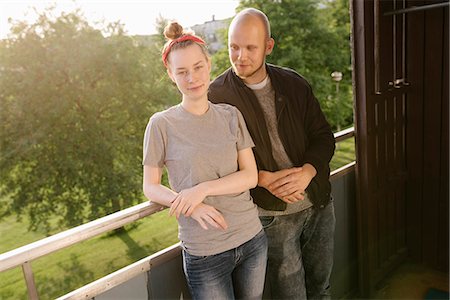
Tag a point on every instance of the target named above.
point(154, 190)
point(159, 194)
point(243, 179)
point(233, 183)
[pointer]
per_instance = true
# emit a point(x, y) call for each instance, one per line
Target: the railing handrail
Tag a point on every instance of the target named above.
point(22, 256)
point(101, 285)
point(32, 251)
point(120, 276)
point(344, 134)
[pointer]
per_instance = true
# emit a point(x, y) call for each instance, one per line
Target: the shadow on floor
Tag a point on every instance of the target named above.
point(412, 281)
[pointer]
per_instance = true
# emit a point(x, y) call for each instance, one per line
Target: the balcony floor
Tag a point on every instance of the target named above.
point(412, 281)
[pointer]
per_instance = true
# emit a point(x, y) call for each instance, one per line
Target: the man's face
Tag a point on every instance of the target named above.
point(248, 46)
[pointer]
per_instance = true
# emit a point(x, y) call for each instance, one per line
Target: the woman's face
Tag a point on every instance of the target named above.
point(189, 68)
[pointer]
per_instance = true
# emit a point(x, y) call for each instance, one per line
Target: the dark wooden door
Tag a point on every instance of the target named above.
point(428, 111)
point(392, 114)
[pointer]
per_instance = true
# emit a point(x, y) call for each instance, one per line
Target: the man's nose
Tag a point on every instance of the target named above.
point(241, 53)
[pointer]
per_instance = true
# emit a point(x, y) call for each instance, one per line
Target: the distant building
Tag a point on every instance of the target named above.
point(209, 31)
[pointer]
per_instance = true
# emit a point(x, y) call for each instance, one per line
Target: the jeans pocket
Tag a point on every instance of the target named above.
point(266, 221)
point(194, 258)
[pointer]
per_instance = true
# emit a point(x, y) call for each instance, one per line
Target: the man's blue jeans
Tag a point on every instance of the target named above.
point(238, 273)
point(300, 255)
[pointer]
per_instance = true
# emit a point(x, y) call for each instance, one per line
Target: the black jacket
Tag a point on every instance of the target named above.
point(303, 129)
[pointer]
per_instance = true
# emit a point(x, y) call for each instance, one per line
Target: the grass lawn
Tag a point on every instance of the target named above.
point(75, 266)
point(344, 154)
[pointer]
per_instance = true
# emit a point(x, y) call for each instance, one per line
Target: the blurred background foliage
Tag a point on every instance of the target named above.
point(75, 102)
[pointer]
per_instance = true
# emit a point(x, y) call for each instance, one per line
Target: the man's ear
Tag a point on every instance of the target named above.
point(269, 46)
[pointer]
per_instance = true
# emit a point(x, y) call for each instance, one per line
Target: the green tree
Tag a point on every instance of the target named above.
point(336, 15)
point(220, 60)
point(74, 104)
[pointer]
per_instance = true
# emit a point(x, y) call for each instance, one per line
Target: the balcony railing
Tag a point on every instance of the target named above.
point(23, 256)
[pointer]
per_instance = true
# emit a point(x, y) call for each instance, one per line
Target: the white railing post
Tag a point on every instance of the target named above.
point(29, 279)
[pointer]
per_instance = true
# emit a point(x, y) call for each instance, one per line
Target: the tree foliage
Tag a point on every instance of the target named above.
point(74, 104)
point(75, 101)
point(220, 60)
point(312, 37)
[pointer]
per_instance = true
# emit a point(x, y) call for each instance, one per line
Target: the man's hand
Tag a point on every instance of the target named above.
point(288, 184)
point(206, 214)
point(186, 201)
point(265, 178)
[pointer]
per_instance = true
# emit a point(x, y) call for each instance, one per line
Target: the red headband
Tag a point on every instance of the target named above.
point(182, 38)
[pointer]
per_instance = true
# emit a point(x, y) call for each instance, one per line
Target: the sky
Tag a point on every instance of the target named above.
point(138, 16)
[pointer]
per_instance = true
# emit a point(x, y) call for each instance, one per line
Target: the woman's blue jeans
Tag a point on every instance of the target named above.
point(238, 273)
point(300, 256)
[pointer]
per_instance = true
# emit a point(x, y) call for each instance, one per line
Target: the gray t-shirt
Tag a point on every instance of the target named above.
point(195, 149)
point(265, 94)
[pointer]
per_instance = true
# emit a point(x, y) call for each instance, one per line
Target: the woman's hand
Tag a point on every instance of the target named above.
point(187, 200)
point(206, 214)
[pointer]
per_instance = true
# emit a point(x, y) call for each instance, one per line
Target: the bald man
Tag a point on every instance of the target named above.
point(293, 147)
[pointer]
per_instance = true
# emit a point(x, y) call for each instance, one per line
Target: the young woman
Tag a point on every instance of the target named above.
point(207, 151)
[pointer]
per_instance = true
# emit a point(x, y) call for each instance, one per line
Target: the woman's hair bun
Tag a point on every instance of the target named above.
point(173, 31)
